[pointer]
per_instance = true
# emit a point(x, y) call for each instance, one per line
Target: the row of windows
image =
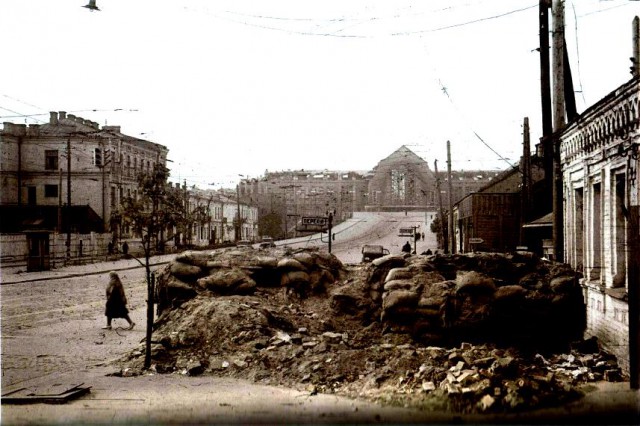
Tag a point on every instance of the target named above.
point(51, 160)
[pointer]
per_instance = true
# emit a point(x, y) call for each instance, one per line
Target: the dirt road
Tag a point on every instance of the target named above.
point(55, 325)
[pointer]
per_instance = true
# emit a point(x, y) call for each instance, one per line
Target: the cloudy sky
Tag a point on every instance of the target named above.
point(239, 87)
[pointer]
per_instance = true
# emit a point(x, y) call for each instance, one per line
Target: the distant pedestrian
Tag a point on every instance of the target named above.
point(125, 248)
point(110, 247)
point(116, 302)
point(423, 236)
point(406, 247)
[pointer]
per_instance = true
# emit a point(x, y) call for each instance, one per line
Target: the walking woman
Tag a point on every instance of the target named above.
point(116, 302)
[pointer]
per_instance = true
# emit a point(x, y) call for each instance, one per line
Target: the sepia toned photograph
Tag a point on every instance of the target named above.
point(319, 212)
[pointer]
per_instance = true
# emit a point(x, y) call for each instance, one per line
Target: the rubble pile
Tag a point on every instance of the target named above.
point(381, 331)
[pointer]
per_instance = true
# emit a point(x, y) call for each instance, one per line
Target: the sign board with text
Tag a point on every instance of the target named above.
point(313, 224)
point(405, 232)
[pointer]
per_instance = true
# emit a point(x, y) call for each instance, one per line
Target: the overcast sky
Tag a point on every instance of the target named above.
point(240, 87)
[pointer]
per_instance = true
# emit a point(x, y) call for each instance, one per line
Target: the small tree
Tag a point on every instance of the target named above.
point(157, 207)
point(439, 227)
point(270, 225)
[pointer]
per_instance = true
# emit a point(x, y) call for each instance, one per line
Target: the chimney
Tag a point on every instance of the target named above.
point(71, 117)
point(33, 130)
point(53, 118)
point(62, 115)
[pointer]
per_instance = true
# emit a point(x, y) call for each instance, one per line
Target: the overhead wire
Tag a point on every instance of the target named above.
point(462, 24)
point(445, 91)
point(575, 18)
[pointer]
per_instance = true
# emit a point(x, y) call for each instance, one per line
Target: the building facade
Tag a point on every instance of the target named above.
point(401, 181)
point(492, 218)
point(215, 219)
point(292, 195)
point(70, 161)
point(599, 156)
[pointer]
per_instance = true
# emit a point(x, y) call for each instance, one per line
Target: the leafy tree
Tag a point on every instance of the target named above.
point(440, 228)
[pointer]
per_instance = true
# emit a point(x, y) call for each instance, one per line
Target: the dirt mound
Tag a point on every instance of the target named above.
point(391, 331)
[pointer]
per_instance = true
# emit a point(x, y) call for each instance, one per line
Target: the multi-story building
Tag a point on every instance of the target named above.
point(291, 195)
point(599, 153)
point(401, 181)
point(215, 220)
point(72, 161)
point(69, 176)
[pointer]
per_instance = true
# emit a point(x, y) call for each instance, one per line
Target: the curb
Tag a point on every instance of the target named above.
point(79, 274)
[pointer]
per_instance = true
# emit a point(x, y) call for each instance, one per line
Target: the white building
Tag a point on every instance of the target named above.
point(599, 154)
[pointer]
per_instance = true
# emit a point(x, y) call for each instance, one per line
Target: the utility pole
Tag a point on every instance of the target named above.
point(103, 160)
point(633, 240)
point(558, 125)
point(452, 237)
point(545, 82)
point(545, 97)
point(330, 229)
point(60, 200)
point(633, 274)
point(68, 242)
point(443, 236)
point(635, 59)
point(20, 170)
point(238, 226)
point(525, 197)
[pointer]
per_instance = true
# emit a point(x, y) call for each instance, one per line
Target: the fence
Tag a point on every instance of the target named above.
point(84, 248)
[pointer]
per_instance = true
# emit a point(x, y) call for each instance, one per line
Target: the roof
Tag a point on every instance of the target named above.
point(544, 221)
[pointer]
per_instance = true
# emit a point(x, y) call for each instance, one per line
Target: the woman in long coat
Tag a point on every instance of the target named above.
point(116, 301)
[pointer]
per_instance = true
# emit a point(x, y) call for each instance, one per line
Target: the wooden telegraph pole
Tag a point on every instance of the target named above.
point(68, 242)
point(452, 236)
point(633, 274)
point(558, 124)
point(443, 235)
point(545, 81)
point(633, 240)
point(525, 198)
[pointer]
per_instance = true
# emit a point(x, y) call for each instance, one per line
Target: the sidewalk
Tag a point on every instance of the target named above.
point(11, 277)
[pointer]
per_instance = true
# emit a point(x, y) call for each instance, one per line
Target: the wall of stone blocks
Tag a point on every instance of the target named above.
point(608, 320)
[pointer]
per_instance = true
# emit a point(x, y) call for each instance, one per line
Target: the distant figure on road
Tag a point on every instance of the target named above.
point(110, 247)
point(116, 302)
point(406, 247)
point(423, 236)
point(125, 248)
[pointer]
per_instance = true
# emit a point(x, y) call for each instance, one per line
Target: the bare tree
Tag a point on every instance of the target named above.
point(157, 208)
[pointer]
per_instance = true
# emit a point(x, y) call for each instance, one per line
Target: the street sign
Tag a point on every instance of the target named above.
point(476, 241)
point(405, 232)
point(315, 221)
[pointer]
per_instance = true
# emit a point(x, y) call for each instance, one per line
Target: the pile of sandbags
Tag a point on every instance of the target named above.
point(444, 299)
point(239, 271)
